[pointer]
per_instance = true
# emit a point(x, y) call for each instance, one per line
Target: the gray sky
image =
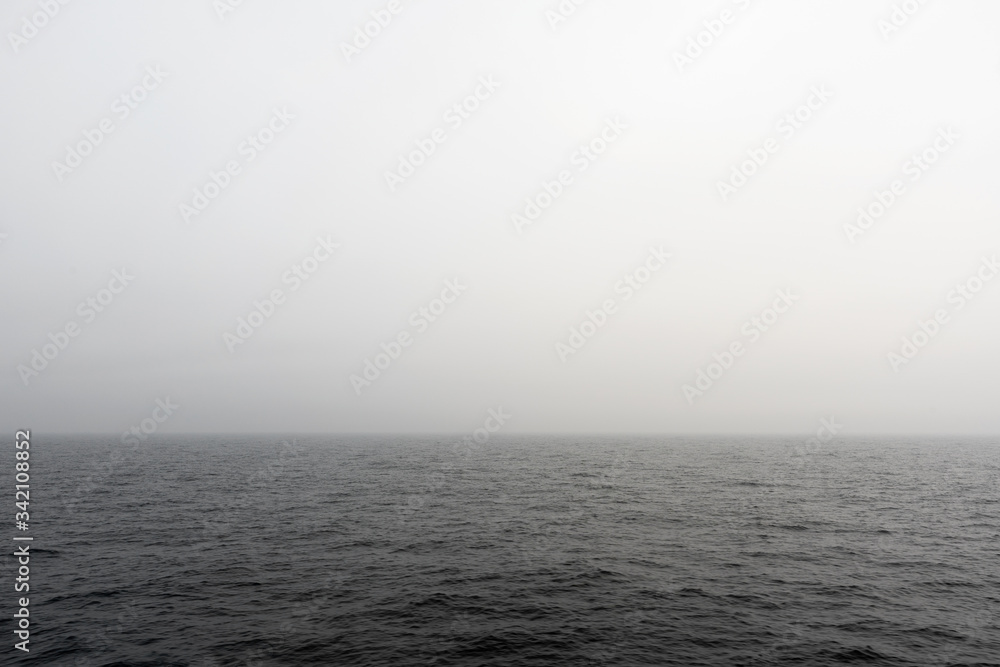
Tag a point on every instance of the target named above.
point(665, 124)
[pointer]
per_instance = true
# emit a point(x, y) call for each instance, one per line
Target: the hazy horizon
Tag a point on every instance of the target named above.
point(467, 189)
point(512, 433)
point(495, 333)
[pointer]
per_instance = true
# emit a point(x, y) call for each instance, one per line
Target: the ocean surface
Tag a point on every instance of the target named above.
point(213, 551)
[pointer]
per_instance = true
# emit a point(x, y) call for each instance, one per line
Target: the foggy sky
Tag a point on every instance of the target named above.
point(678, 129)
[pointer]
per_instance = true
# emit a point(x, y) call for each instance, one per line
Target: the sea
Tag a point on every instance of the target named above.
point(264, 550)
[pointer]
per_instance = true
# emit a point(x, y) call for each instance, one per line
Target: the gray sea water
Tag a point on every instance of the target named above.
point(520, 551)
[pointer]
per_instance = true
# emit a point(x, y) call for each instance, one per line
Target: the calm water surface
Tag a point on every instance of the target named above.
point(522, 551)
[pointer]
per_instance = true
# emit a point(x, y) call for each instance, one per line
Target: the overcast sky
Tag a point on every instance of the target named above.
point(184, 86)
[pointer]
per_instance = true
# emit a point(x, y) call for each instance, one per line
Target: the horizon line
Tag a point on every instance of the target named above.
point(651, 434)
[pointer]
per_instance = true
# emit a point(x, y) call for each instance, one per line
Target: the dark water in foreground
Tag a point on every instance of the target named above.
point(524, 551)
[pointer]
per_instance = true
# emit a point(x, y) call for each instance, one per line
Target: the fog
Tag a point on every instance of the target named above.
point(551, 238)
